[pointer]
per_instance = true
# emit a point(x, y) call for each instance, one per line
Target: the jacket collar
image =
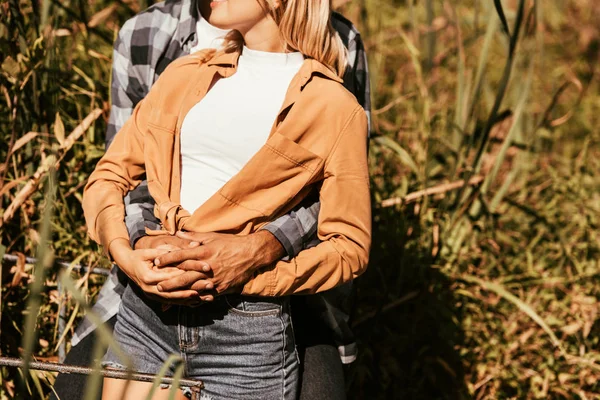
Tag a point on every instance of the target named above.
point(227, 65)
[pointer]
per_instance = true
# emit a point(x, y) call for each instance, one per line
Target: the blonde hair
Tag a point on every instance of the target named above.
point(305, 26)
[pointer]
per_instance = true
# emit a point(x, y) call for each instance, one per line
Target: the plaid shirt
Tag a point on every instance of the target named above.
point(146, 44)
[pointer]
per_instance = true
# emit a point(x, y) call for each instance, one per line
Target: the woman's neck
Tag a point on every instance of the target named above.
point(264, 36)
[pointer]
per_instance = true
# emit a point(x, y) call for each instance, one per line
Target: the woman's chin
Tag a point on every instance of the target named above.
point(219, 16)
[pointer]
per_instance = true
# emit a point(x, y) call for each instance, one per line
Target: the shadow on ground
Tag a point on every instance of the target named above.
point(407, 321)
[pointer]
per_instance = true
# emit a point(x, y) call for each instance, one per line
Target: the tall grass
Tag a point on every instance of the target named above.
point(483, 280)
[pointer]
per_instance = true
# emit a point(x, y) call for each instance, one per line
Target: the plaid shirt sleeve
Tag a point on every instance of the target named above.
point(127, 89)
point(296, 231)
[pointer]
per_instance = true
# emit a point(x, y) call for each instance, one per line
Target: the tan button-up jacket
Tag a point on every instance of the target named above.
point(317, 143)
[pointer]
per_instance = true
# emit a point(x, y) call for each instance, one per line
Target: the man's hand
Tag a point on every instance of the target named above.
point(222, 262)
point(167, 242)
point(138, 266)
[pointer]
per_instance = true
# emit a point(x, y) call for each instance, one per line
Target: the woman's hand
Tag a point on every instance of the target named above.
point(138, 266)
point(221, 263)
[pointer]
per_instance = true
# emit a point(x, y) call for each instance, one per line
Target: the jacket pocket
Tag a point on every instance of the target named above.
point(273, 176)
point(162, 121)
point(159, 146)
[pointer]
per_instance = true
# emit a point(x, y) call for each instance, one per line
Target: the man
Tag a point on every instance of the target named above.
point(146, 44)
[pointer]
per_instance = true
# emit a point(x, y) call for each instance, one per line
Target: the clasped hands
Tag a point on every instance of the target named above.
point(190, 268)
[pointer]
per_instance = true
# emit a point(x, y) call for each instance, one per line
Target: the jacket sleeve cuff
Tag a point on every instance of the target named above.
point(112, 229)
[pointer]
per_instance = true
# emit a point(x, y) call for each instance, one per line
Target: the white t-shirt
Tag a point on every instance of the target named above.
point(232, 122)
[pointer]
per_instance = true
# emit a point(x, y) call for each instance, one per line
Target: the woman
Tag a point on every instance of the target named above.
point(229, 141)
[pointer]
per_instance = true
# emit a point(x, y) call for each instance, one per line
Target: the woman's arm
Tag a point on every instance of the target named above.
point(344, 224)
point(117, 172)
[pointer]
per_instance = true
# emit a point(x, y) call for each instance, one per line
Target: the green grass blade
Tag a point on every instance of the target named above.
point(173, 359)
point(503, 86)
point(102, 332)
point(518, 114)
point(402, 154)
point(44, 262)
point(176, 379)
point(500, 11)
point(526, 308)
point(92, 386)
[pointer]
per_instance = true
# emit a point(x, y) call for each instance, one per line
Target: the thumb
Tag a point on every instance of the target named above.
point(151, 254)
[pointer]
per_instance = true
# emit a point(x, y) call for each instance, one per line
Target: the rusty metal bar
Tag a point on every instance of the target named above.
point(195, 385)
point(76, 267)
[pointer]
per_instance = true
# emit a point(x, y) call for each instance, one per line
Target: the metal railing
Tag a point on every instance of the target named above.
point(195, 385)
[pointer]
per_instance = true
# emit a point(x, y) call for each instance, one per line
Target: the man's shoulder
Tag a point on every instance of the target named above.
point(161, 15)
point(344, 26)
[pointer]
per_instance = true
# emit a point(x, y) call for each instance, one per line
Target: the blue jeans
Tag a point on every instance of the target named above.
point(240, 347)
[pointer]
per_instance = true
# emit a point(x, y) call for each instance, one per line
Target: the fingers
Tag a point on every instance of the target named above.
point(189, 265)
point(169, 270)
point(155, 276)
point(183, 281)
point(183, 297)
point(168, 247)
point(150, 254)
point(189, 298)
point(193, 265)
point(188, 295)
point(196, 236)
point(205, 290)
point(208, 297)
point(202, 285)
point(177, 257)
point(154, 242)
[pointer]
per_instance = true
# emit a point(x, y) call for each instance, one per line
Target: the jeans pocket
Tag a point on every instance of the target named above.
point(253, 306)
